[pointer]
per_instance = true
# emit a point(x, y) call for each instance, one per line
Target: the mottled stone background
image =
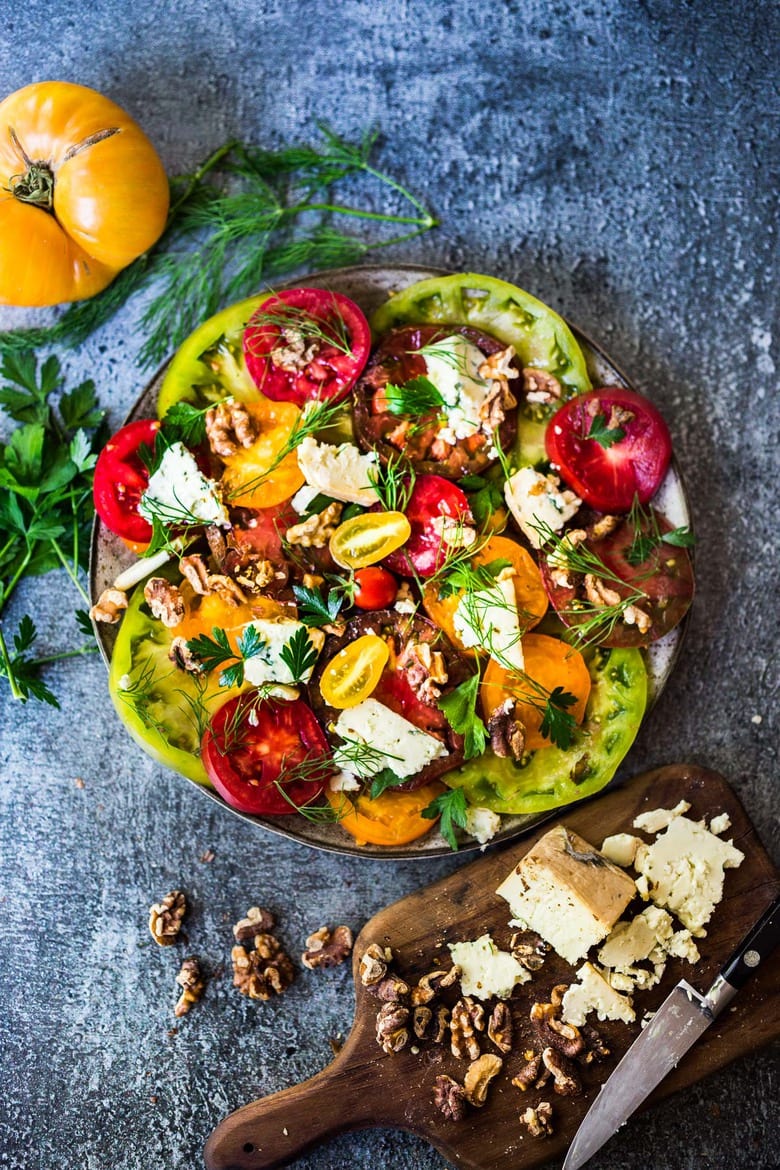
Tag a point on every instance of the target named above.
point(619, 160)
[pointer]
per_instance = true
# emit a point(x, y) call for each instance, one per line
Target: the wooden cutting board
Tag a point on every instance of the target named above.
point(365, 1087)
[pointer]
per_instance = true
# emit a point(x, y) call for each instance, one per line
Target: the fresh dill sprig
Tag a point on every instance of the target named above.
point(418, 396)
point(444, 353)
point(302, 323)
point(394, 483)
point(648, 536)
point(452, 808)
point(243, 218)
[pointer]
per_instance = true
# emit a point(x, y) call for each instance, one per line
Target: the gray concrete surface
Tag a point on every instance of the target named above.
point(617, 159)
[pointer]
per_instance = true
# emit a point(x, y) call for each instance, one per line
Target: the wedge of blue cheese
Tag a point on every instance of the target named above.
point(488, 618)
point(179, 493)
point(486, 971)
point(538, 502)
point(377, 738)
point(341, 472)
point(567, 892)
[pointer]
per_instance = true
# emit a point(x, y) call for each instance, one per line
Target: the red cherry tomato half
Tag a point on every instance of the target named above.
point(326, 342)
point(121, 479)
point(251, 744)
point(375, 588)
point(607, 473)
point(434, 502)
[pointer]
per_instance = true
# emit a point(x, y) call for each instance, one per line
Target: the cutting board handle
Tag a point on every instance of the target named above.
point(275, 1130)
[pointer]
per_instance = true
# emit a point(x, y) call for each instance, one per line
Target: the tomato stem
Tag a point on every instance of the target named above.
point(35, 186)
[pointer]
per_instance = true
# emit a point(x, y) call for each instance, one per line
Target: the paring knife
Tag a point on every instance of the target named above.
point(675, 1027)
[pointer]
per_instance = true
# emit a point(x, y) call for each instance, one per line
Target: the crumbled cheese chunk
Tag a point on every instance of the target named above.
point(179, 493)
point(485, 970)
point(343, 473)
point(391, 742)
point(453, 367)
point(621, 848)
point(684, 871)
point(594, 994)
point(488, 618)
point(720, 824)
point(660, 818)
point(535, 500)
point(482, 823)
point(267, 665)
point(343, 782)
point(572, 902)
point(303, 498)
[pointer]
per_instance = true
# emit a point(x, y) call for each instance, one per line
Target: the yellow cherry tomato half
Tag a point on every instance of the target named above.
point(353, 674)
point(369, 538)
point(394, 818)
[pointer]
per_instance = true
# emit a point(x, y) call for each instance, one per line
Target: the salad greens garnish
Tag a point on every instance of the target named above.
point(485, 496)
point(217, 651)
point(299, 654)
point(460, 708)
point(393, 482)
point(452, 807)
point(244, 217)
point(46, 498)
point(648, 536)
point(316, 609)
point(605, 435)
point(184, 423)
point(417, 396)
point(465, 575)
point(295, 319)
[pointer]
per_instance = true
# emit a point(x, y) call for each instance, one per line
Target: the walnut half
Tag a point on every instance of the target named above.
point(326, 948)
point(192, 985)
point(165, 918)
point(263, 972)
point(538, 1121)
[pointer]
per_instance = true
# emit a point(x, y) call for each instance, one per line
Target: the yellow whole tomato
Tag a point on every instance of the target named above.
point(82, 193)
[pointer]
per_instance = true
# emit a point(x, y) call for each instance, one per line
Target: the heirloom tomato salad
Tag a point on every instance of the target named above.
point(390, 574)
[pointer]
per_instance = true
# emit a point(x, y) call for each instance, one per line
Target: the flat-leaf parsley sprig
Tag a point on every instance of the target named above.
point(245, 217)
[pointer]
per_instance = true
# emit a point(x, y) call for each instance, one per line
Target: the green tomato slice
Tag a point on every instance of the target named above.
point(209, 366)
point(540, 337)
point(164, 709)
point(551, 777)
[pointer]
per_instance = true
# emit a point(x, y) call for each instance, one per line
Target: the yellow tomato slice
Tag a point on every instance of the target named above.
point(202, 614)
point(394, 818)
point(550, 663)
point(369, 538)
point(353, 674)
point(250, 479)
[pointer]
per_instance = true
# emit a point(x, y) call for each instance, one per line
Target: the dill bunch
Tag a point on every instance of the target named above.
point(244, 218)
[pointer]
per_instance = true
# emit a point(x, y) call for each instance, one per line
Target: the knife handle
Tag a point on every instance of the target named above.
point(756, 946)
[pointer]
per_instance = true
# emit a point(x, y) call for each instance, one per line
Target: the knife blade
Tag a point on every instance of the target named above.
point(679, 1022)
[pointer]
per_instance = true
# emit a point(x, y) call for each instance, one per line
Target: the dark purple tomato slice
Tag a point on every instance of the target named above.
point(306, 344)
point(435, 504)
point(251, 746)
point(661, 573)
point(610, 445)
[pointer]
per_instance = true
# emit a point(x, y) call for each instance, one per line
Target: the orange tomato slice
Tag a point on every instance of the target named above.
point(392, 819)
point(550, 663)
point(530, 594)
point(202, 614)
point(250, 479)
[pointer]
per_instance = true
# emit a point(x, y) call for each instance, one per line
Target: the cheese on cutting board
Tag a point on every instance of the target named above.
point(567, 892)
point(594, 994)
point(485, 971)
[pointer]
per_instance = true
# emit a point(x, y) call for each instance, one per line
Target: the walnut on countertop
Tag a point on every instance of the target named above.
point(192, 984)
point(326, 948)
point(257, 921)
point(434, 982)
point(263, 972)
point(392, 1033)
point(567, 1080)
point(553, 1031)
point(478, 1077)
point(499, 1027)
point(165, 918)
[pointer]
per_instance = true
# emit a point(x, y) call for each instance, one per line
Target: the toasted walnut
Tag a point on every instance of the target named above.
point(566, 1038)
point(478, 1077)
point(165, 601)
point(432, 983)
point(506, 731)
point(619, 416)
point(181, 656)
point(528, 1073)
point(499, 1027)
point(493, 410)
point(192, 985)
point(634, 616)
point(539, 386)
point(538, 1121)
point(567, 1081)
point(424, 669)
point(468, 1018)
point(108, 607)
point(195, 570)
point(392, 1033)
point(257, 921)
point(256, 573)
point(530, 956)
point(216, 542)
point(595, 1049)
point(226, 589)
point(421, 1021)
point(498, 366)
point(263, 972)
point(373, 964)
point(296, 352)
point(326, 948)
point(604, 526)
point(229, 426)
point(449, 1098)
point(598, 592)
point(316, 530)
point(165, 918)
point(392, 987)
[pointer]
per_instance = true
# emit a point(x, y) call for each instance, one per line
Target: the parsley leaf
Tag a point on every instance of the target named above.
point(680, 537)
point(383, 780)
point(299, 654)
point(185, 424)
point(485, 496)
point(451, 807)
point(459, 706)
point(217, 651)
point(316, 610)
point(603, 434)
point(557, 722)
point(417, 396)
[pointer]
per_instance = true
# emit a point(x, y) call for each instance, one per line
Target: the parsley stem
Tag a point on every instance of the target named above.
point(82, 650)
point(69, 570)
point(20, 571)
point(8, 670)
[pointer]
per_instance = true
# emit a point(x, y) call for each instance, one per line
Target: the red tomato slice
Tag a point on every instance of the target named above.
point(432, 498)
point(609, 476)
point(260, 530)
point(375, 588)
point(250, 741)
point(121, 479)
point(326, 340)
point(665, 577)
